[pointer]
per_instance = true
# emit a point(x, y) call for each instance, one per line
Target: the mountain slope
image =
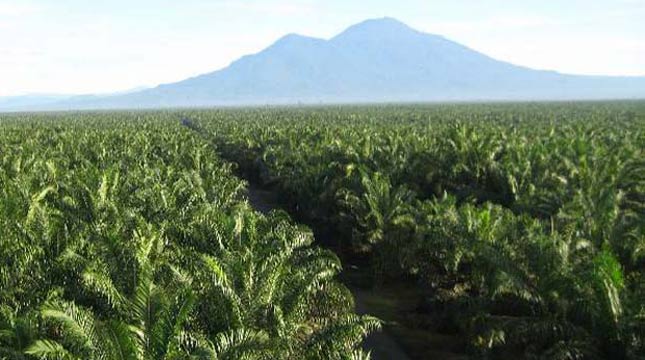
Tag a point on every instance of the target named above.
point(39, 102)
point(28, 101)
point(376, 60)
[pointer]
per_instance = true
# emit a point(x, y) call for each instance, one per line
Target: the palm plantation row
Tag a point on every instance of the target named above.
point(125, 237)
point(523, 224)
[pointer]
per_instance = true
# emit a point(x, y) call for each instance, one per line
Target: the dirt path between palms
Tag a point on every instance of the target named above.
point(381, 345)
point(394, 304)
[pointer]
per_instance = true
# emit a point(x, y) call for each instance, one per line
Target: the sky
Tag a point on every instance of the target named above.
point(103, 46)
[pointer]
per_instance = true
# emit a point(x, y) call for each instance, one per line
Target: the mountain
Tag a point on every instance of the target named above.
point(28, 101)
point(54, 101)
point(381, 60)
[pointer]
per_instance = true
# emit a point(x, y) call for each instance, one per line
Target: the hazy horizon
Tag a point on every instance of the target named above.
point(72, 47)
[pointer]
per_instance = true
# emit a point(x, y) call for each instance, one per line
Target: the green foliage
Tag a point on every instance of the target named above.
point(523, 223)
point(126, 237)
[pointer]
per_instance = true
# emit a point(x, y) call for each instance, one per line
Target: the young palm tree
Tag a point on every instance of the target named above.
point(149, 324)
point(268, 277)
point(382, 220)
point(16, 333)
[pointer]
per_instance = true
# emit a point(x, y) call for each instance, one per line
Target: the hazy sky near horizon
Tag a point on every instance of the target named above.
point(75, 46)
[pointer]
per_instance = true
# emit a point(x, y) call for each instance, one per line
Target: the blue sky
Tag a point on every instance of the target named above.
point(74, 46)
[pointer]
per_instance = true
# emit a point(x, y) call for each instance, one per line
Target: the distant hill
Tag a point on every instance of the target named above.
point(380, 60)
point(55, 101)
point(28, 101)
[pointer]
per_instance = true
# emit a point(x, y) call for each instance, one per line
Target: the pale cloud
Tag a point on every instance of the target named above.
point(269, 8)
point(505, 23)
point(16, 9)
point(640, 4)
point(563, 53)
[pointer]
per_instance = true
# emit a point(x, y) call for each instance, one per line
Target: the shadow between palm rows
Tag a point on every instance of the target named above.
point(381, 345)
point(395, 304)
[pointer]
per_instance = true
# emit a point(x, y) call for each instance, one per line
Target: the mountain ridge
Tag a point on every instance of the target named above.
point(377, 60)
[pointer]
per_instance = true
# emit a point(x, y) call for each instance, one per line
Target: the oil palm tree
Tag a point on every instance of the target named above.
point(267, 276)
